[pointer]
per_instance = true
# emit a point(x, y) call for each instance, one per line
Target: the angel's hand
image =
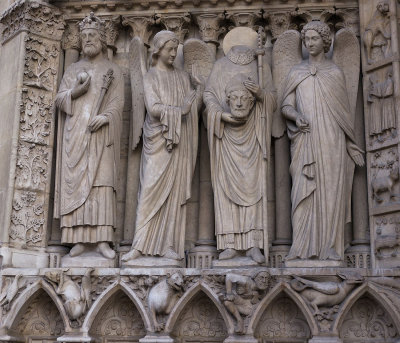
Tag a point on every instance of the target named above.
point(228, 118)
point(302, 123)
point(197, 79)
point(356, 154)
point(254, 88)
point(98, 122)
point(80, 88)
point(187, 102)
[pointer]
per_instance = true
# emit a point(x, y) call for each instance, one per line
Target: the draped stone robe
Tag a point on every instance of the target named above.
point(167, 165)
point(321, 169)
point(87, 162)
point(238, 157)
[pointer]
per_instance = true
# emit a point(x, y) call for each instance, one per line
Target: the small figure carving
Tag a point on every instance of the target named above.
point(76, 298)
point(386, 242)
point(242, 294)
point(9, 292)
point(382, 106)
point(164, 296)
point(377, 35)
point(90, 101)
point(325, 294)
point(386, 183)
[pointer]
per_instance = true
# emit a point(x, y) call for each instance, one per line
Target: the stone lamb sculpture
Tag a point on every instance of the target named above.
point(163, 297)
point(385, 183)
point(76, 298)
point(325, 293)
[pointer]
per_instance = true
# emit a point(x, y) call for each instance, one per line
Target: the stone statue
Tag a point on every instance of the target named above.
point(318, 102)
point(377, 35)
point(242, 294)
point(239, 115)
point(76, 298)
point(10, 291)
point(382, 106)
point(170, 135)
point(164, 296)
point(90, 99)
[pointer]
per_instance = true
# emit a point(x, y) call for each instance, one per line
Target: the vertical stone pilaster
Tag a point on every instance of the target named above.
point(32, 34)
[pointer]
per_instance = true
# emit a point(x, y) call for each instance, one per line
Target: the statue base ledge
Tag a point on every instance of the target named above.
point(237, 262)
point(156, 339)
point(313, 263)
point(91, 259)
point(325, 339)
point(240, 339)
point(154, 262)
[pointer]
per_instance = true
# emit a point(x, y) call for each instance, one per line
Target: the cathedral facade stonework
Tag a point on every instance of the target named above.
point(199, 171)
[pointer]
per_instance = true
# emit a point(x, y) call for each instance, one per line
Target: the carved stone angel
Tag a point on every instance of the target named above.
point(317, 100)
point(170, 136)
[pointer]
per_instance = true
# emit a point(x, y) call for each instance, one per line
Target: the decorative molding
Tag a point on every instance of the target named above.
point(176, 23)
point(141, 26)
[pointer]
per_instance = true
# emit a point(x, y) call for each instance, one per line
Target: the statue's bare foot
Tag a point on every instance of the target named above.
point(131, 255)
point(227, 254)
point(171, 254)
point(105, 250)
point(255, 255)
point(76, 250)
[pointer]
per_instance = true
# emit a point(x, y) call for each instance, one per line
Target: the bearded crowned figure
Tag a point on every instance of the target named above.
point(318, 103)
point(90, 100)
point(239, 118)
point(170, 133)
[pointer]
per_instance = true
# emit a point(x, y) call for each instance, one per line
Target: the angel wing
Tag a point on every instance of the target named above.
point(197, 53)
point(346, 55)
point(138, 68)
point(286, 53)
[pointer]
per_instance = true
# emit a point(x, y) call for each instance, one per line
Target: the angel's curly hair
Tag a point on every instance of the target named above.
point(323, 30)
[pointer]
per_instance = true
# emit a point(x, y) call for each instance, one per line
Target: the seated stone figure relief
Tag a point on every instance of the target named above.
point(90, 101)
point(239, 114)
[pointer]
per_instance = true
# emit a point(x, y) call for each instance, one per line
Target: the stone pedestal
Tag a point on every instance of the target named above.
point(313, 264)
point(88, 259)
point(202, 256)
point(237, 262)
point(156, 339)
point(154, 262)
point(323, 339)
point(240, 339)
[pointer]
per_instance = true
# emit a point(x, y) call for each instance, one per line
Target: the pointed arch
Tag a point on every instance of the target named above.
point(29, 294)
point(357, 294)
point(190, 295)
point(106, 295)
point(280, 289)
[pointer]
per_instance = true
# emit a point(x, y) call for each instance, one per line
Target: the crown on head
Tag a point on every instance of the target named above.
point(92, 22)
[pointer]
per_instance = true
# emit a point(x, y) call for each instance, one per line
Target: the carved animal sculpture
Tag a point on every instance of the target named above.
point(163, 297)
point(325, 294)
point(386, 241)
point(385, 183)
point(379, 24)
point(9, 293)
point(76, 298)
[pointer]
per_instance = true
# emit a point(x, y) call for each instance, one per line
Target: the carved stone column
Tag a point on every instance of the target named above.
point(29, 60)
point(141, 27)
point(243, 18)
point(202, 255)
point(112, 27)
point(381, 71)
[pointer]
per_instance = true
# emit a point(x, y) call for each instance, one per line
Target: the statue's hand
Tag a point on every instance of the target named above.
point(97, 123)
point(356, 154)
point(228, 118)
point(230, 297)
point(80, 88)
point(254, 88)
point(197, 79)
point(187, 102)
point(302, 123)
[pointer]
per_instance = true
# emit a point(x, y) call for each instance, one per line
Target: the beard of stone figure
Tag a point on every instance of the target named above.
point(167, 55)
point(91, 43)
point(241, 102)
point(262, 281)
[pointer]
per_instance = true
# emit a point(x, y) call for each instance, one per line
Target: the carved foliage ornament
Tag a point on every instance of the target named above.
point(34, 17)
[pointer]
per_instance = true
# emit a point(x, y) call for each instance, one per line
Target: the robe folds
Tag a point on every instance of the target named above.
point(167, 164)
point(238, 158)
point(321, 168)
point(87, 162)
